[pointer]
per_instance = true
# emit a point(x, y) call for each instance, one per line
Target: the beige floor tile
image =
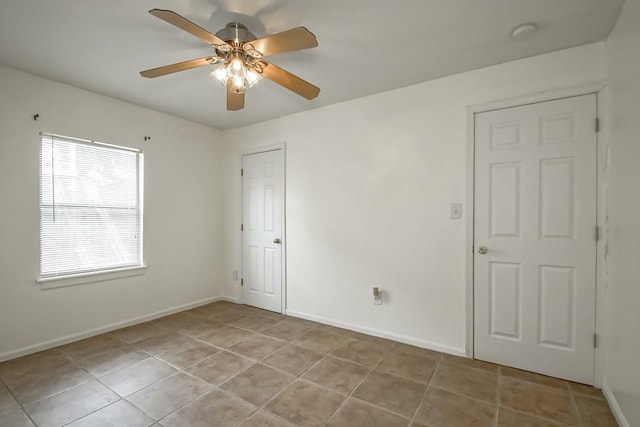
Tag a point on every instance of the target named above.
point(177, 321)
point(417, 351)
point(594, 412)
point(137, 376)
point(15, 418)
point(257, 346)
point(320, 340)
point(220, 367)
point(293, 359)
point(36, 363)
point(356, 413)
point(70, 405)
point(533, 377)
point(258, 384)
point(305, 404)
point(163, 342)
point(214, 408)
point(90, 347)
point(509, 418)
point(469, 382)
point(255, 323)
point(187, 354)
point(139, 332)
point(470, 363)
point(209, 309)
point(168, 395)
point(586, 390)
point(119, 414)
point(391, 392)
point(225, 336)
point(38, 385)
point(199, 327)
point(7, 402)
point(229, 316)
point(382, 342)
point(334, 330)
point(410, 366)
point(112, 360)
point(264, 419)
point(288, 329)
point(442, 409)
point(337, 374)
point(362, 352)
point(539, 400)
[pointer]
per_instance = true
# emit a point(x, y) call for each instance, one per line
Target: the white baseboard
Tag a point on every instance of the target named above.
point(381, 334)
point(615, 407)
point(12, 354)
point(231, 299)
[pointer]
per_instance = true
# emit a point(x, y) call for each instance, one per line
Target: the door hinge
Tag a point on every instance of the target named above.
point(597, 233)
point(241, 227)
point(595, 341)
point(241, 172)
point(241, 282)
point(597, 124)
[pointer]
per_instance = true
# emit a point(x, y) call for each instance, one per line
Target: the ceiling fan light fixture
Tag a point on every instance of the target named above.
point(242, 77)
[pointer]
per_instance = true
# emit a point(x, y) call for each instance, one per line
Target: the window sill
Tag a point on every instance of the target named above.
point(93, 277)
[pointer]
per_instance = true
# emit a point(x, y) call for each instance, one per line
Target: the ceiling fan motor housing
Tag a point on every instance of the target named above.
point(235, 34)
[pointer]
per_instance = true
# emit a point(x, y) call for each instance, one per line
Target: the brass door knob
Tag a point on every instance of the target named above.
point(482, 250)
point(276, 240)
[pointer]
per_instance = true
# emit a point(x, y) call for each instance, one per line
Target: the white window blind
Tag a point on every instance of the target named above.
point(90, 206)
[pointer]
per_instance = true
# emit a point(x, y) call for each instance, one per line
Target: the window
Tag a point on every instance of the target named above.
point(90, 207)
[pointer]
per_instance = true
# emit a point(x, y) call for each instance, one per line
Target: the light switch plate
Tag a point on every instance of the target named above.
point(456, 211)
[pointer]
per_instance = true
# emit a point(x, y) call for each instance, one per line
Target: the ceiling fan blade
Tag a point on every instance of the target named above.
point(235, 100)
point(180, 66)
point(288, 80)
point(287, 41)
point(186, 25)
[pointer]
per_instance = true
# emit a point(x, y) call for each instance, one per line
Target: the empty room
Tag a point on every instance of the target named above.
point(319, 213)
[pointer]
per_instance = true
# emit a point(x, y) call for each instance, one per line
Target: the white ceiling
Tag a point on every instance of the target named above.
point(365, 46)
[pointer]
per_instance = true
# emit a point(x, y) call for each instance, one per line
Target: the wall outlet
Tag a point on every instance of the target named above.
point(456, 211)
point(377, 296)
point(234, 275)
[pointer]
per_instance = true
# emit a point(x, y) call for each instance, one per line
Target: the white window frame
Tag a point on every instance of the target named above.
point(98, 275)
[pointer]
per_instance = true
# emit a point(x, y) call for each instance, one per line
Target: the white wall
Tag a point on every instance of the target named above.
point(182, 212)
point(369, 184)
point(622, 374)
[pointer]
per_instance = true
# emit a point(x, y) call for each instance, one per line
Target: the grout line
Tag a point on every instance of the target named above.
point(350, 395)
point(20, 405)
point(424, 394)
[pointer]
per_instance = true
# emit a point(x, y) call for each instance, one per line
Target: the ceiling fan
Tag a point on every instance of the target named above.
point(240, 55)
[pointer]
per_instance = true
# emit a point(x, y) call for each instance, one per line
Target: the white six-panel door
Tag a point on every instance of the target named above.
point(262, 214)
point(535, 215)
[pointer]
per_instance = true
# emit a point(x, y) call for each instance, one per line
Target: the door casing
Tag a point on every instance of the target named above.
point(600, 90)
point(282, 146)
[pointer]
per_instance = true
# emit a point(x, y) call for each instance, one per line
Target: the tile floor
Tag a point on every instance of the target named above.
point(230, 365)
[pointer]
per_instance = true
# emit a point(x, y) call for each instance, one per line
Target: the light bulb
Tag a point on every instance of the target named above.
point(237, 82)
point(236, 64)
point(252, 77)
point(221, 74)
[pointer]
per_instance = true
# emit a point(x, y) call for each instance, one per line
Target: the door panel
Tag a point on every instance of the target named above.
point(535, 211)
point(262, 218)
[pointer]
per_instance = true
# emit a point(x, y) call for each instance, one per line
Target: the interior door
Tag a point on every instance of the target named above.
point(535, 237)
point(262, 219)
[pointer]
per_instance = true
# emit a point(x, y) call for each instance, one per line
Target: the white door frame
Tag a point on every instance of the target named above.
point(600, 90)
point(263, 149)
